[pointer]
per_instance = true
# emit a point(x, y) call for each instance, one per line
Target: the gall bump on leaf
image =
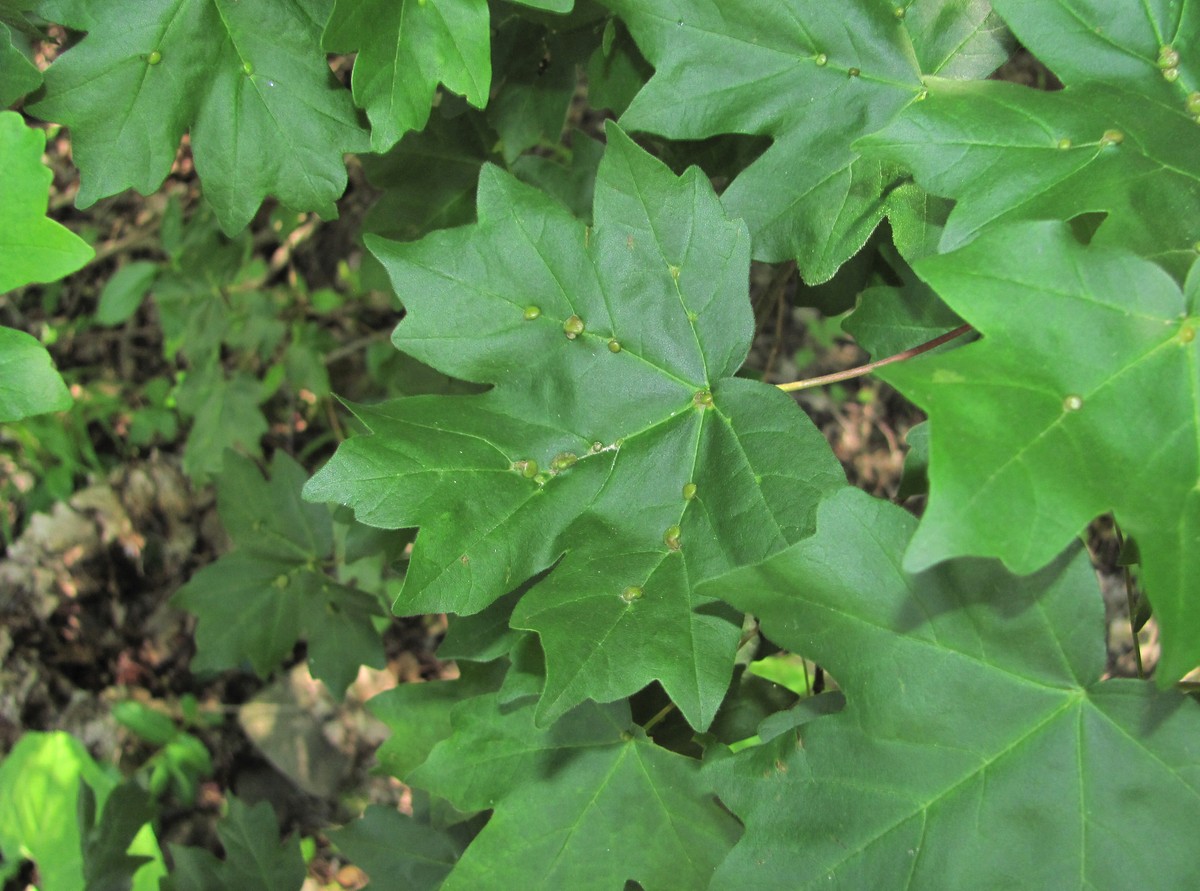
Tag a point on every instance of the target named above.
point(573, 327)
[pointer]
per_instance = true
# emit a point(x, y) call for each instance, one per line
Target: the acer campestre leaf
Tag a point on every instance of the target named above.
point(247, 80)
point(428, 180)
point(18, 75)
point(254, 603)
point(814, 76)
point(405, 48)
point(611, 350)
point(255, 858)
point(1121, 139)
point(972, 700)
point(397, 852)
point(1080, 398)
point(418, 715)
point(588, 803)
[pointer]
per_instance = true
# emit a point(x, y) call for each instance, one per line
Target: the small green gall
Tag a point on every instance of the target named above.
point(632, 593)
point(671, 537)
point(281, 581)
point(703, 399)
point(527, 469)
point(1064, 143)
point(597, 446)
point(563, 460)
point(154, 58)
point(689, 491)
point(248, 68)
point(674, 270)
point(626, 736)
point(542, 478)
point(614, 346)
point(1073, 403)
point(1170, 75)
point(923, 95)
point(1112, 137)
point(1193, 103)
point(1187, 334)
point(1168, 57)
point(899, 12)
point(821, 59)
point(853, 72)
point(573, 327)
point(531, 313)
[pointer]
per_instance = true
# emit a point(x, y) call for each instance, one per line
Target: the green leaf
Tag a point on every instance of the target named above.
point(255, 858)
point(40, 784)
point(890, 320)
point(813, 76)
point(536, 72)
point(572, 183)
point(611, 350)
point(973, 701)
point(616, 70)
point(29, 383)
point(405, 48)
point(226, 415)
point(32, 247)
point(429, 178)
point(576, 804)
point(107, 865)
point(1081, 398)
point(1007, 152)
point(248, 81)
point(255, 603)
point(419, 716)
point(18, 75)
point(1094, 40)
point(124, 292)
point(397, 852)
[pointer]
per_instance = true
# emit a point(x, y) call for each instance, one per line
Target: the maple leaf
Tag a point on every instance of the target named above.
point(255, 858)
point(248, 80)
point(615, 442)
point(406, 48)
point(18, 75)
point(972, 700)
point(813, 76)
point(1122, 139)
point(1080, 398)
point(254, 603)
point(570, 800)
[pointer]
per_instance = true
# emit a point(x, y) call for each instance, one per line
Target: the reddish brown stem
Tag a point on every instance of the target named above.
point(849, 373)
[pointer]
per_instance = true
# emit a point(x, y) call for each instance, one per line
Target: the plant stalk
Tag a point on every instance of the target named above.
point(850, 373)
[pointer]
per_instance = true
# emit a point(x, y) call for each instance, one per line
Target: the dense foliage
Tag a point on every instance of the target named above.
point(619, 517)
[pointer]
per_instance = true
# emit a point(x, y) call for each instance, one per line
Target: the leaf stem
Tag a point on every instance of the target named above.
point(666, 710)
point(849, 373)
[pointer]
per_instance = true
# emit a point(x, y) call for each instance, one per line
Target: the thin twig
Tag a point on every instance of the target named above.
point(850, 373)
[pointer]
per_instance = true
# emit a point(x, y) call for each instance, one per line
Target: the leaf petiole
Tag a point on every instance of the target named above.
point(859, 371)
